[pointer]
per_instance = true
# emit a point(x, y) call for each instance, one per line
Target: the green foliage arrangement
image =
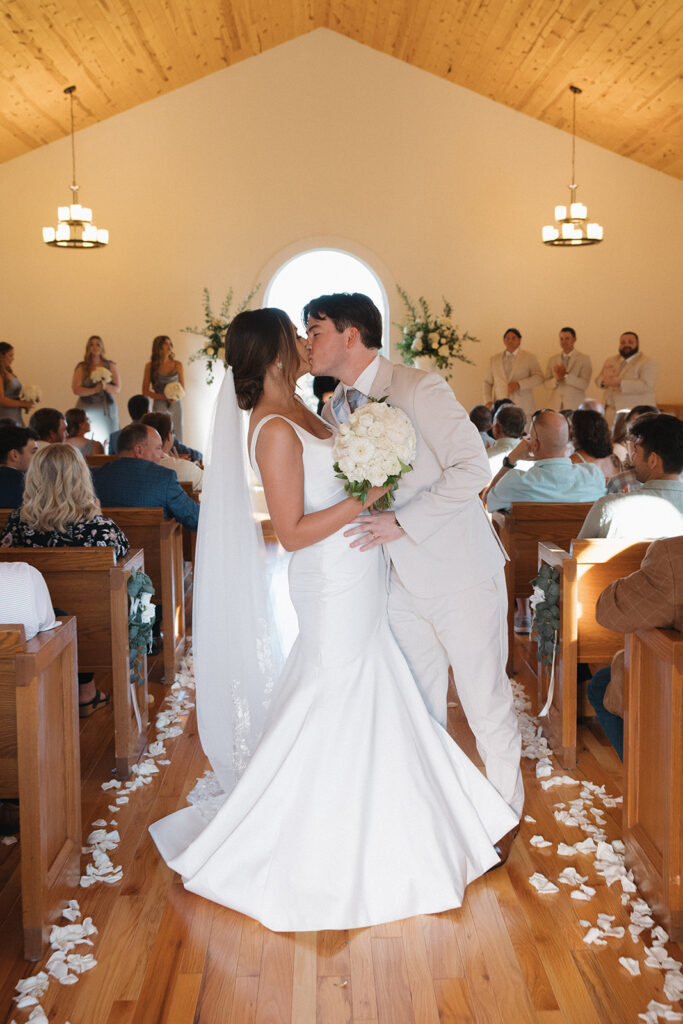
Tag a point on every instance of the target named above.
point(545, 602)
point(436, 336)
point(214, 330)
point(141, 614)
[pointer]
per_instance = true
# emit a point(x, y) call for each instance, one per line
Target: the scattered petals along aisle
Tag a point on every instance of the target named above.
point(63, 965)
point(607, 861)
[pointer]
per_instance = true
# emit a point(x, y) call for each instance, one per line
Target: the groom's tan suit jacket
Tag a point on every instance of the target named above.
point(449, 543)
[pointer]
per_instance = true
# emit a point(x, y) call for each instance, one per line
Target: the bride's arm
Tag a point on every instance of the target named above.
point(279, 457)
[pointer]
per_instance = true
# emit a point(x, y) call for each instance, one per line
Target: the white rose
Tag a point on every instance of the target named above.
point(444, 350)
point(417, 345)
point(434, 338)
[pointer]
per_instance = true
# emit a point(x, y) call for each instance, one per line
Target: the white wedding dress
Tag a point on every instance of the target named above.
point(356, 807)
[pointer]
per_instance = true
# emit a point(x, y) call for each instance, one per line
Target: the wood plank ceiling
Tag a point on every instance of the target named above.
point(626, 55)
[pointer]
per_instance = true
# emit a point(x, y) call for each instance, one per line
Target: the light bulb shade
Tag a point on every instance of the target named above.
point(49, 234)
point(102, 236)
point(578, 211)
point(560, 212)
point(594, 231)
point(549, 233)
point(63, 212)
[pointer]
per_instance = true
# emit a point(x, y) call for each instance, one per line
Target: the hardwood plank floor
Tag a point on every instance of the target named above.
point(507, 956)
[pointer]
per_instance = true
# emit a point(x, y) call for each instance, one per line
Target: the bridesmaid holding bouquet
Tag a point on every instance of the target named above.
point(164, 382)
point(12, 402)
point(96, 381)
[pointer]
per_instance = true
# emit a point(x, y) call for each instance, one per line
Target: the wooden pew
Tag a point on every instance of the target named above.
point(40, 764)
point(520, 531)
point(99, 460)
point(162, 541)
point(585, 571)
point(90, 584)
point(653, 768)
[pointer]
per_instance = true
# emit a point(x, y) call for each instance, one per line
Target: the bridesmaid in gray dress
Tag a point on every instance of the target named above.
point(97, 397)
point(161, 370)
point(11, 405)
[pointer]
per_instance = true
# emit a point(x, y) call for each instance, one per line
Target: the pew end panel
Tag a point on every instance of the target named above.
point(40, 734)
point(162, 542)
point(88, 583)
point(520, 530)
point(585, 571)
point(653, 767)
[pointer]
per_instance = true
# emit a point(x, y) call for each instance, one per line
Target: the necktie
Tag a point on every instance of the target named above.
point(565, 360)
point(354, 398)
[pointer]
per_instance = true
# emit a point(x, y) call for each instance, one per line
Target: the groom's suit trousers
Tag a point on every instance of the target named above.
point(468, 630)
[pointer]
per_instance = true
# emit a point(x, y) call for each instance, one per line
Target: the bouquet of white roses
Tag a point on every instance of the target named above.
point(426, 335)
point(373, 449)
point(31, 393)
point(174, 391)
point(214, 330)
point(101, 373)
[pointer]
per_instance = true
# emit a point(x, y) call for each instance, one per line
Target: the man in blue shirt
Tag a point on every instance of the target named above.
point(552, 476)
point(136, 480)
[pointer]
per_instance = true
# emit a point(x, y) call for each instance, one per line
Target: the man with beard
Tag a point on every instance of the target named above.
point(629, 378)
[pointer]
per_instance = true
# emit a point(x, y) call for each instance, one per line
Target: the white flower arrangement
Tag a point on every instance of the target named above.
point(101, 373)
point(426, 335)
point(174, 391)
point(374, 449)
point(214, 330)
point(31, 393)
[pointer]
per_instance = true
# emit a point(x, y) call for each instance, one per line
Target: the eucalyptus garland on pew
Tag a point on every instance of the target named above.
point(545, 602)
point(141, 615)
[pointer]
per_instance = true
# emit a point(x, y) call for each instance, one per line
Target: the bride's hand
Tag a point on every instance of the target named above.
point(374, 494)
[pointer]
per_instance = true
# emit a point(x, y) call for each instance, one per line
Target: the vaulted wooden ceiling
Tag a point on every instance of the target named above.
point(626, 55)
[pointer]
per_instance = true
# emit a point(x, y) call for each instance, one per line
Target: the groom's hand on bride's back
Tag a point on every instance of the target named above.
point(373, 529)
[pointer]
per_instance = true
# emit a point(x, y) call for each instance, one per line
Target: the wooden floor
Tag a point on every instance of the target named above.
point(507, 955)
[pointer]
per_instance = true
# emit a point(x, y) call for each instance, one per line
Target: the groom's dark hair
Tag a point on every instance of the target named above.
point(346, 309)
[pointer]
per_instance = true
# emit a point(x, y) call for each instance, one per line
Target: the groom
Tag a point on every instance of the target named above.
point(447, 597)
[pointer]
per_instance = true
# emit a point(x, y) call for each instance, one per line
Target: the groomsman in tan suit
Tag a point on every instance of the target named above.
point(568, 373)
point(513, 374)
point(628, 379)
point(447, 597)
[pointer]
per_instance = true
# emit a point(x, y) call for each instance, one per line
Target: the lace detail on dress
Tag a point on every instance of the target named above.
point(207, 796)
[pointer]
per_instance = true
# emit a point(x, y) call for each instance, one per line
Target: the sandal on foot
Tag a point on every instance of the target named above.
point(100, 700)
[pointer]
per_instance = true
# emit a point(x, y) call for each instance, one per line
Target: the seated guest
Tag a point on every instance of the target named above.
point(650, 598)
point(482, 418)
point(186, 471)
point(507, 428)
point(626, 480)
point(49, 425)
point(656, 510)
point(17, 448)
point(138, 405)
point(60, 510)
point(24, 598)
point(620, 429)
point(590, 435)
point(323, 389)
point(552, 476)
point(593, 405)
point(136, 480)
point(77, 426)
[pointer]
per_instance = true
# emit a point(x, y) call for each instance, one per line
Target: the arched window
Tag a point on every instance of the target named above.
point(321, 272)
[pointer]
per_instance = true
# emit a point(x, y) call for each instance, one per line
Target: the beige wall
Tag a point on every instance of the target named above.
point(324, 138)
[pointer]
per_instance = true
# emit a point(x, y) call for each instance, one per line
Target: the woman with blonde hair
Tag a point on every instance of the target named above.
point(77, 426)
point(60, 510)
point(96, 381)
point(163, 376)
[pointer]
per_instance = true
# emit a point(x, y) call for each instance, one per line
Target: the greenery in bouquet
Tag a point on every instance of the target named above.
point(215, 326)
point(546, 608)
point(141, 616)
point(424, 334)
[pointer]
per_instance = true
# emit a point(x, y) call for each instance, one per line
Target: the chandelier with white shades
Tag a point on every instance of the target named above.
point(75, 229)
point(573, 226)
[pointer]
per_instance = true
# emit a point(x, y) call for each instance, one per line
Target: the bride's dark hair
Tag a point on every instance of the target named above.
point(255, 339)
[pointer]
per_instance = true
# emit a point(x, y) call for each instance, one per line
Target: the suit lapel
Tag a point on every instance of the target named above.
point(381, 385)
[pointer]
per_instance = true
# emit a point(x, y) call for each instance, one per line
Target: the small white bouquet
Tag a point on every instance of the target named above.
point(174, 391)
point(31, 393)
point(374, 449)
point(101, 375)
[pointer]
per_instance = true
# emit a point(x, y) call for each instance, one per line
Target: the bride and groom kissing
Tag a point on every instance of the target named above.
point(352, 805)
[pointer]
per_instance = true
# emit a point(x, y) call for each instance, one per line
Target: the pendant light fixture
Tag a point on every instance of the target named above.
point(75, 229)
point(573, 226)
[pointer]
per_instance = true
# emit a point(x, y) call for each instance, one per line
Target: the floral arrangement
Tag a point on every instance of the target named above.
point(141, 615)
point(545, 604)
point(374, 449)
point(174, 391)
point(31, 393)
point(214, 330)
point(426, 335)
point(101, 373)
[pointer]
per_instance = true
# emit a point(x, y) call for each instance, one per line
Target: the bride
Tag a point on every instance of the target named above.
point(342, 802)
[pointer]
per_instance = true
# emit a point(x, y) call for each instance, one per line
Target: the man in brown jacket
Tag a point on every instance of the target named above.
point(651, 597)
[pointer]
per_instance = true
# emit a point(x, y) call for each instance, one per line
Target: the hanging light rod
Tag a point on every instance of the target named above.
point(573, 228)
point(75, 229)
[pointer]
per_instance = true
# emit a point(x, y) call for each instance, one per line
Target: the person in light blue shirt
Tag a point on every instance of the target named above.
point(552, 477)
